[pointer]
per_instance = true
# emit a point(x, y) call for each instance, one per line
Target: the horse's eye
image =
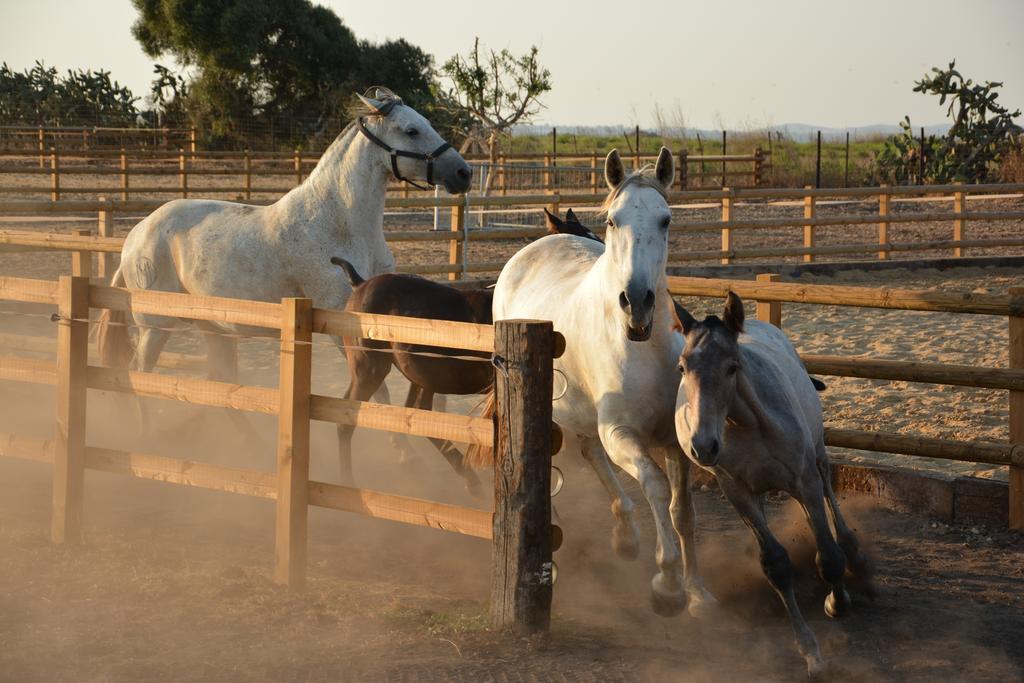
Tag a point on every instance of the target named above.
point(682, 368)
point(664, 222)
point(411, 132)
point(732, 369)
point(611, 223)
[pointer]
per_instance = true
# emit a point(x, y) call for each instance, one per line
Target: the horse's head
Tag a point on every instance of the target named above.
point(413, 150)
point(637, 237)
point(710, 364)
point(570, 226)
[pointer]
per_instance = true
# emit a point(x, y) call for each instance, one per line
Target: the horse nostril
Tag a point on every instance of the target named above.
point(714, 448)
point(649, 299)
point(464, 173)
point(623, 301)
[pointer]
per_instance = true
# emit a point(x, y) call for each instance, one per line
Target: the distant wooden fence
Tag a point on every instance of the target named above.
point(769, 294)
point(523, 435)
point(37, 140)
point(458, 236)
point(133, 172)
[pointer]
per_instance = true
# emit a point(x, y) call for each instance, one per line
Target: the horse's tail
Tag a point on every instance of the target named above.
point(353, 276)
point(478, 457)
point(112, 340)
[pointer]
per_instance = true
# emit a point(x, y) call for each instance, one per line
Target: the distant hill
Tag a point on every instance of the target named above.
point(795, 131)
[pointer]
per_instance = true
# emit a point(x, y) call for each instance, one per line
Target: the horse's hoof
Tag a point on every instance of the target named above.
point(701, 604)
point(836, 607)
point(816, 669)
point(625, 542)
point(666, 603)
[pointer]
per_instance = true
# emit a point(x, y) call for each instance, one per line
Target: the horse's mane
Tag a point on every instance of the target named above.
point(643, 177)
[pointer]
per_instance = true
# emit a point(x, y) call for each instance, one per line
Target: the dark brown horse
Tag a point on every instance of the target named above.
point(437, 373)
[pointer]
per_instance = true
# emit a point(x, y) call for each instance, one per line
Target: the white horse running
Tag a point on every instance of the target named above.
point(218, 248)
point(611, 304)
point(747, 412)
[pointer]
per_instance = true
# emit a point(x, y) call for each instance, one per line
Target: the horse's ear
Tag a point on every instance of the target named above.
point(614, 171)
point(733, 316)
point(665, 170)
point(570, 217)
point(686, 321)
point(553, 222)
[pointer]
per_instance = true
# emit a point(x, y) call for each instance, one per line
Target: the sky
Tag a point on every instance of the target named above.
point(743, 64)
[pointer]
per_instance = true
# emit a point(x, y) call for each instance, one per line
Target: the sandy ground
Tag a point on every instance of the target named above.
point(174, 583)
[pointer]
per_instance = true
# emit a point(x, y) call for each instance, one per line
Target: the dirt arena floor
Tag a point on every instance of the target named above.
point(175, 584)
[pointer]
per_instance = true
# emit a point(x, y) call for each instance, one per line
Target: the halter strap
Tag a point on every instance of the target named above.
point(395, 153)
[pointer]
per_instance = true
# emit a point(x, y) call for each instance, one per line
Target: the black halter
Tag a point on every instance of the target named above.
point(395, 153)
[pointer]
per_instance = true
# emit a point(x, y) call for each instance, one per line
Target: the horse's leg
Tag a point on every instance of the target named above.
point(400, 442)
point(626, 533)
point(777, 568)
point(222, 366)
point(152, 340)
point(677, 466)
point(855, 557)
point(628, 452)
point(829, 558)
point(452, 454)
point(368, 371)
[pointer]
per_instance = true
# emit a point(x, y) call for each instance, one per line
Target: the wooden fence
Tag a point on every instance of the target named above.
point(523, 435)
point(769, 294)
point(730, 224)
point(134, 172)
point(36, 140)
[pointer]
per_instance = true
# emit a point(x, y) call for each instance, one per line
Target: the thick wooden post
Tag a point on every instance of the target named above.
point(683, 154)
point(42, 148)
point(758, 167)
point(809, 229)
point(124, 175)
point(593, 172)
point(522, 572)
point(105, 227)
point(501, 176)
point(298, 167)
point(456, 247)
point(883, 222)
point(547, 171)
point(293, 442)
point(192, 142)
point(726, 232)
point(183, 172)
point(69, 440)
point(54, 174)
point(959, 223)
point(770, 311)
point(81, 261)
point(248, 174)
point(1017, 407)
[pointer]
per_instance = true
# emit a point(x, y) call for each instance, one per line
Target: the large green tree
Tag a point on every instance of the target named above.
point(283, 60)
point(42, 96)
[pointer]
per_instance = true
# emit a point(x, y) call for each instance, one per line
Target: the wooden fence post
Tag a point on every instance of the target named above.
point(809, 229)
point(293, 442)
point(593, 172)
point(1016, 513)
point(124, 175)
point(770, 311)
point(192, 142)
point(883, 223)
point(81, 261)
point(298, 167)
point(683, 154)
point(54, 174)
point(248, 174)
point(501, 175)
point(959, 223)
point(183, 171)
point(547, 172)
point(105, 227)
point(522, 565)
point(69, 440)
point(726, 232)
point(42, 148)
point(758, 166)
point(457, 248)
